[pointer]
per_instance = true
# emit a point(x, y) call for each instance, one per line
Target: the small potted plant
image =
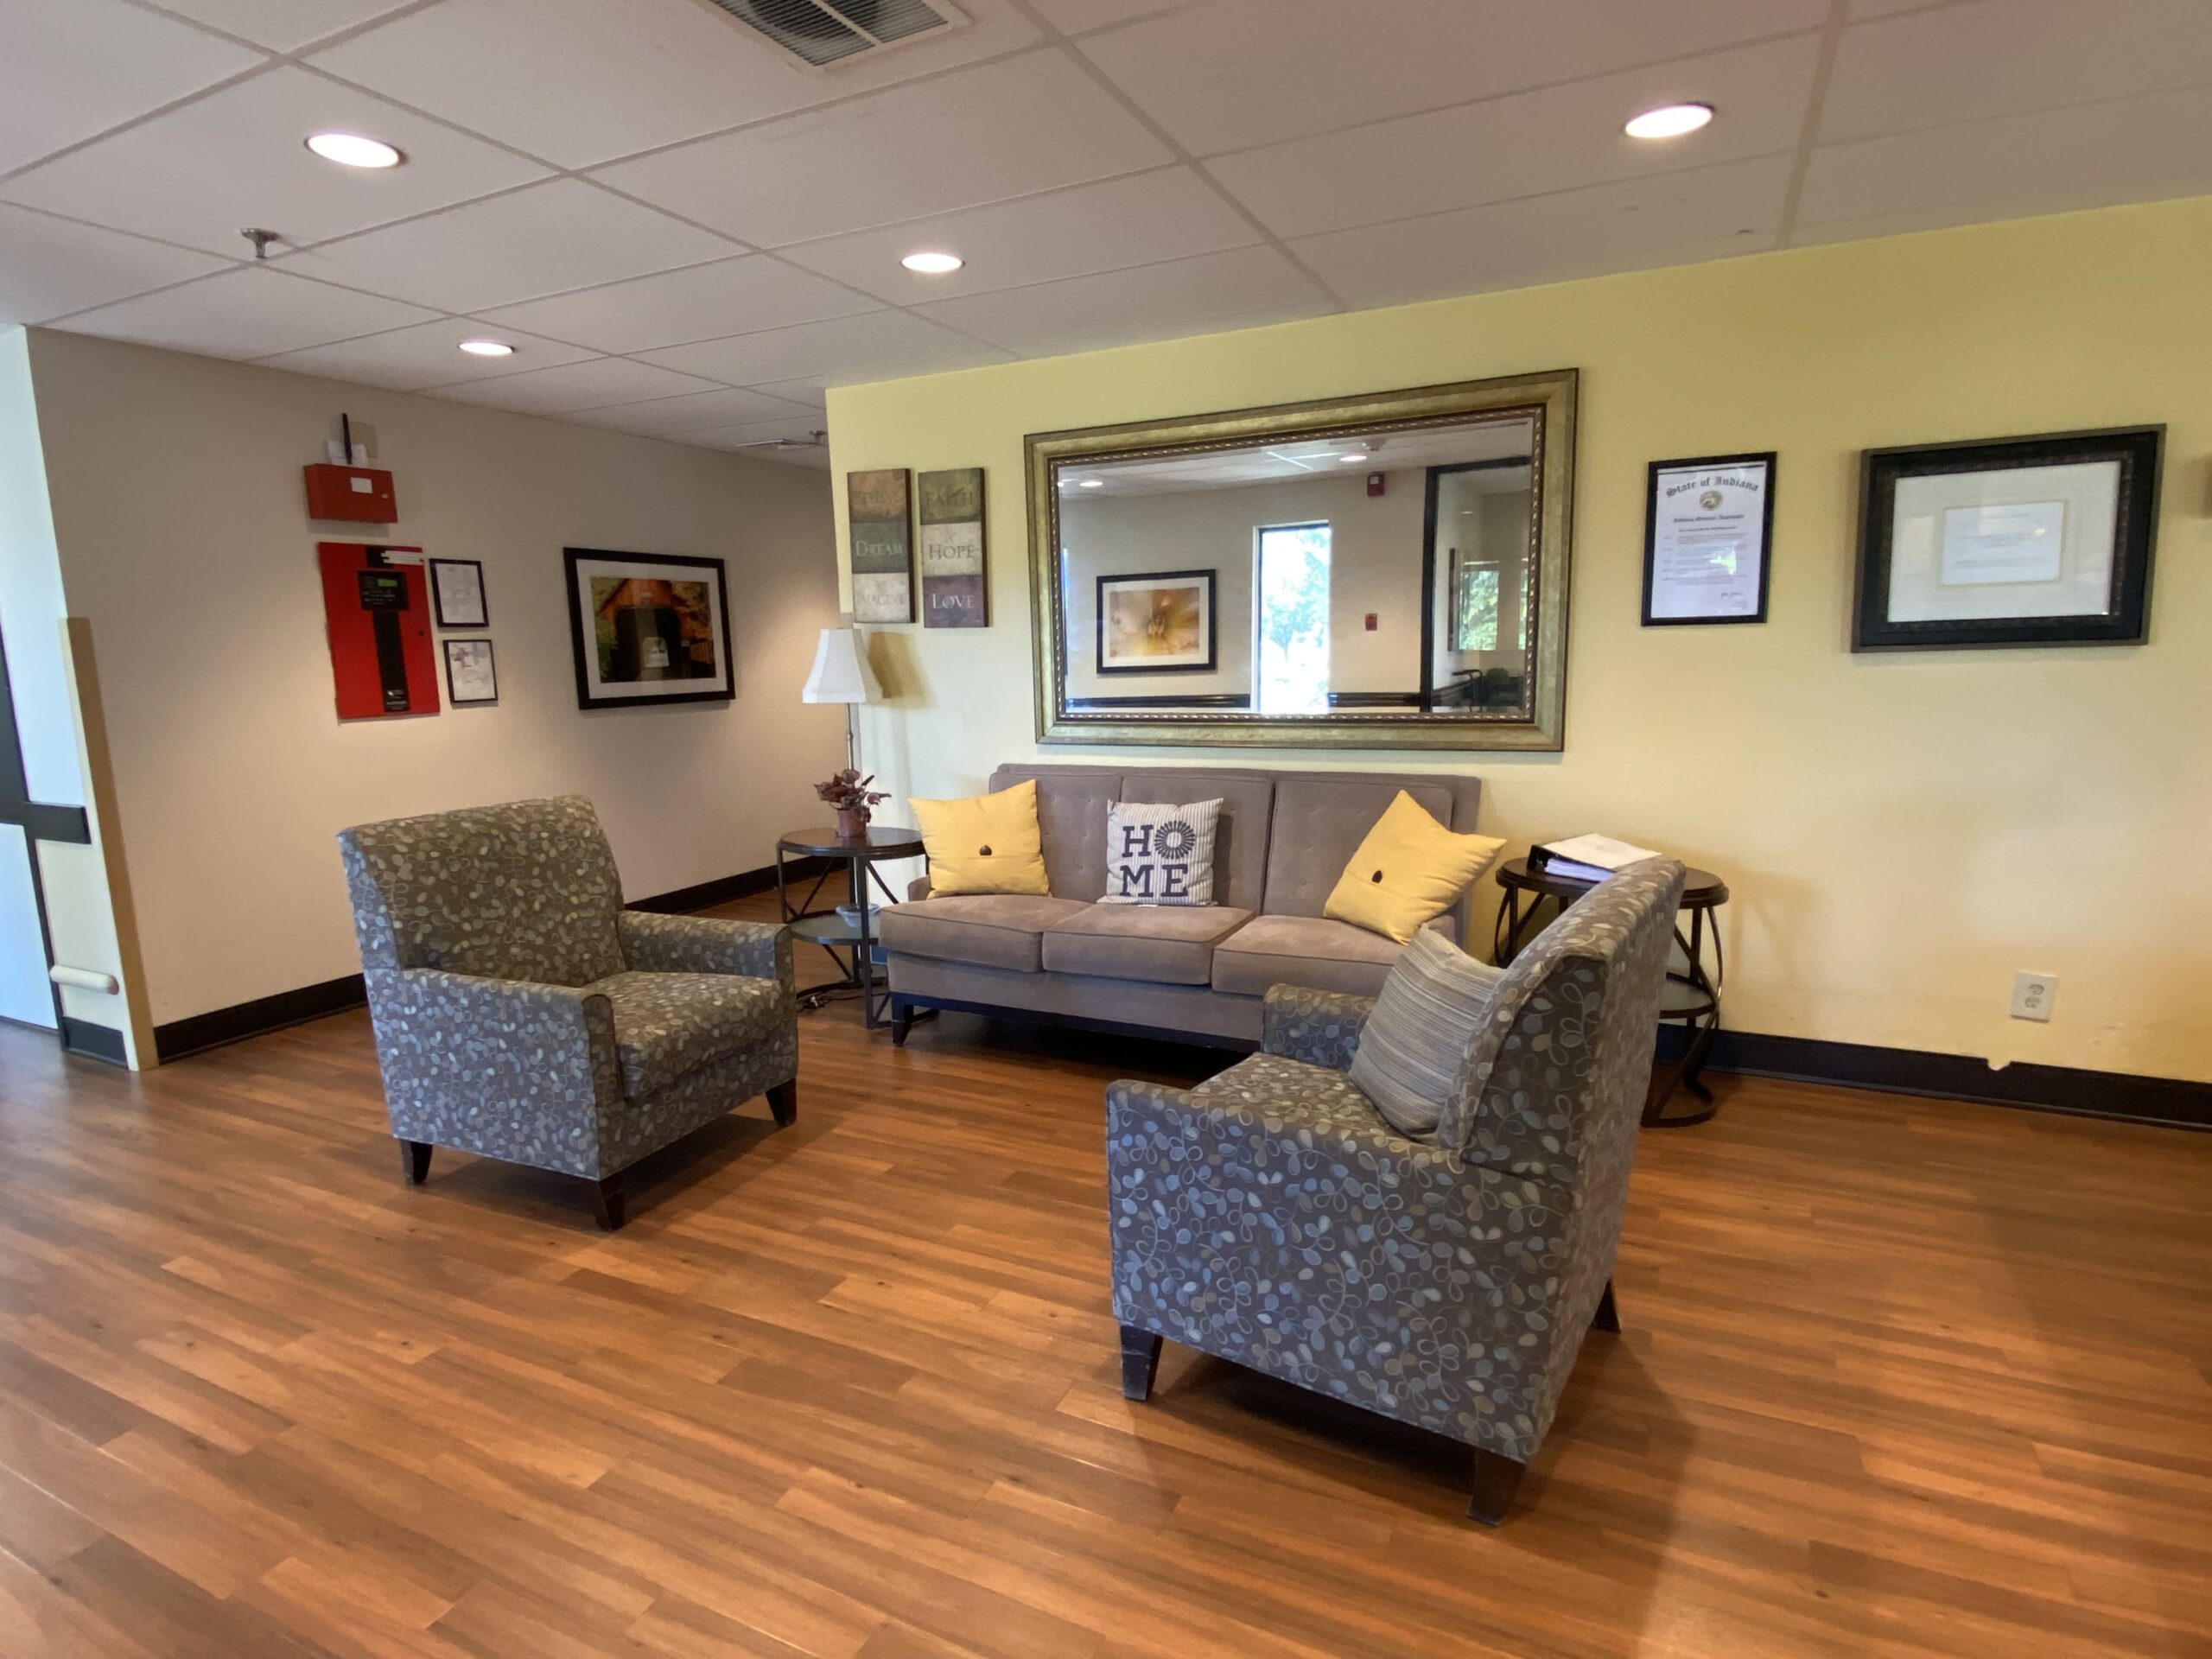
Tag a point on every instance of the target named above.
point(856, 802)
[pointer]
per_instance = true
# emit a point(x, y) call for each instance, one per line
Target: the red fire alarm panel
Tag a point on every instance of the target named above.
point(359, 495)
point(379, 615)
point(1375, 483)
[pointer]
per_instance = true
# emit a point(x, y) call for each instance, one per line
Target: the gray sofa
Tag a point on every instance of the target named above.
point(1200, 973)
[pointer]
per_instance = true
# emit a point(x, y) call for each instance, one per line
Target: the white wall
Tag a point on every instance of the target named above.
point(179, 507)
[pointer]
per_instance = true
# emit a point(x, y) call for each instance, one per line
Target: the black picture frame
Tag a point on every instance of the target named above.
point(1208, 579)
point(483, 619)
point(2138, 450)
point(584, 643)
point(1767, 459)
point(453, 691)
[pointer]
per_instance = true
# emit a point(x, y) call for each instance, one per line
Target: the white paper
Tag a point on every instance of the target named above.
point(461, 593)
point(1708, 526)
point(468, 669)
point(2012, 541)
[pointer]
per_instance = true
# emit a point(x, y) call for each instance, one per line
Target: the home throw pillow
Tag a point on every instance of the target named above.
point(1157, 854)
point(1409, 869)
point(989, 843)
point(1434, 999)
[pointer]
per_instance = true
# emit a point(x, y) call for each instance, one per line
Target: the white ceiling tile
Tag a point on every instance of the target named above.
point(1030, 124)
point(753, 434)
point(700, 302)
point(1214, 291)
point(251, 311)
point(1486, 152)
point(2006, 57)
point(428, 354)
point(1861, 11)
point(558, 235)
point(1241, 72)
point(240, 158)
point(806, 394)
point(72, 68)
point(583, 81)
point(593, 384)
point(282, 25)
point(2044, 163)
point(50, 267)
point(1138, 220)
point(1704, 214)
point(874, 345)
point(724, 407)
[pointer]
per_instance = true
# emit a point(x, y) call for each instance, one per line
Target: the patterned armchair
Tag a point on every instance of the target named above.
point(1272, 1217)
point(521, 1012)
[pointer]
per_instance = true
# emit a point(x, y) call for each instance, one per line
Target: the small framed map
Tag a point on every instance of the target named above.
point(954, 578)
point(882, 553)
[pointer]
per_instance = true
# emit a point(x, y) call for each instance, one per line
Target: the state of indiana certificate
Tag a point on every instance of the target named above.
point(1707, 526)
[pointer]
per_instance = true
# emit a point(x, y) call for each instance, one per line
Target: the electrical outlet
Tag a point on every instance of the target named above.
point(2033, 994)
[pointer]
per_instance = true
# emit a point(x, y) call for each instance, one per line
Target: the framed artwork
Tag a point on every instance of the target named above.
point(470, 677)
point(2037, 541)
point(648, 628)
point(954, 574)
point(883, 554)
point(1707, 525)
point(1159, 622)
point(457, 590)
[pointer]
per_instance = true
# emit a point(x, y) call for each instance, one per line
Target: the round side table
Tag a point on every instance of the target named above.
point(1690, 998)
point(825, 927)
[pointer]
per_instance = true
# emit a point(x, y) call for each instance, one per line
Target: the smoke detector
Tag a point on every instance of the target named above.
point(819, 33)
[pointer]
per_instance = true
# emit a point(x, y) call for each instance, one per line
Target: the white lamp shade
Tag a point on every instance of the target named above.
point(841, 671)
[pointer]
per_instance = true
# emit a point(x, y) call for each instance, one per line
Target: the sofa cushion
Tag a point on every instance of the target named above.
point(1291, 1091)
point(992, 929)
point(1072, 806)
point(1308, 951)
point(986, 843)
point(668, 1024)
point(1167, 945)
point(1416, 1038)
point(1318, 824)
point(1409, 868)
point(1240, 836)
point(1159, 852)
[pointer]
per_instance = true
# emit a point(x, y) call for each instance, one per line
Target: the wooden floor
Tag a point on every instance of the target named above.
point(1900, 1378)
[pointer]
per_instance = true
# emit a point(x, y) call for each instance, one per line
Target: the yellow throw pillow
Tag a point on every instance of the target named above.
point(1408, 870)
point(989, 843)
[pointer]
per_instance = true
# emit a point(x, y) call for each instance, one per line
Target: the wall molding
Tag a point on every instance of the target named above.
point(196, 1033)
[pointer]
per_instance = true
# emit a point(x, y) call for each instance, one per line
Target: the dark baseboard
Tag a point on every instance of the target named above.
point(94, 1042)
point(2070, 1089)
point(200, 1032)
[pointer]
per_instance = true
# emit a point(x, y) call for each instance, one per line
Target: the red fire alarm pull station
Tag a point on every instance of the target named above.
point(1372, 620)
point(1375, 483)
point(379, 615)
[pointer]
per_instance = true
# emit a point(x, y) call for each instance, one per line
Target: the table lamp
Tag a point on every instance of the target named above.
point(842, 674)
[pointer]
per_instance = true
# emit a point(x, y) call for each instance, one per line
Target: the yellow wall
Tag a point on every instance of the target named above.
point(1901, 831)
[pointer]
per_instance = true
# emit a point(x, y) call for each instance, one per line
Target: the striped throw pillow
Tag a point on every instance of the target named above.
point(1434, 1000)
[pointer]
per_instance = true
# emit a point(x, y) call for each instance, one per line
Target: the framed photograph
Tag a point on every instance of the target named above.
point(882, 552)
point(470, 677)
point(1162, 622)
point(1708, 525)
point(457, 590)
point(954, 575)
point(648, 628)
point(2040, 541)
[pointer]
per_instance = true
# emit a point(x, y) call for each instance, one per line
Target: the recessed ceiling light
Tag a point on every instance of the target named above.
point(1669, 121)
point(933, 263)
point(353, 149)
point(487, 348)
point(1091, 483)
point(1360, 456)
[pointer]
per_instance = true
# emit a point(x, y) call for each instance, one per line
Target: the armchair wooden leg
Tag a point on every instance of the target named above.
point(1608, 1316)
point(608, 1201)
point(415, 1162)
point(902, 1021)
point(783, 1101)
point(1491, 1489)
point(1139, 1361)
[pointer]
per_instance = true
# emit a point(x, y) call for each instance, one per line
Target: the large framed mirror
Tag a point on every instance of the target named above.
point(1384, 571)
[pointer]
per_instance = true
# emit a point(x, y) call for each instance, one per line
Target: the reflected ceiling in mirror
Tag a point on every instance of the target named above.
point(1378, 572)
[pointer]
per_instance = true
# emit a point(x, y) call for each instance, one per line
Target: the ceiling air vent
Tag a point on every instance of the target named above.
point(822, 32)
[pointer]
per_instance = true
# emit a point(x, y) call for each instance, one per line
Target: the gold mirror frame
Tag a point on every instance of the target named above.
point(1547, 399)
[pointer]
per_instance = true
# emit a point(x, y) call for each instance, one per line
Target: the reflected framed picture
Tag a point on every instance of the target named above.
point(1162, 622)
point(648, 628)
point(2035, 541)
point(470, 676)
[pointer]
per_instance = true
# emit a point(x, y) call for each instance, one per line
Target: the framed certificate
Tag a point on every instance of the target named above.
point(457, 590)
point(470, 677)
point(1707, 523)
point(2042, 541)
